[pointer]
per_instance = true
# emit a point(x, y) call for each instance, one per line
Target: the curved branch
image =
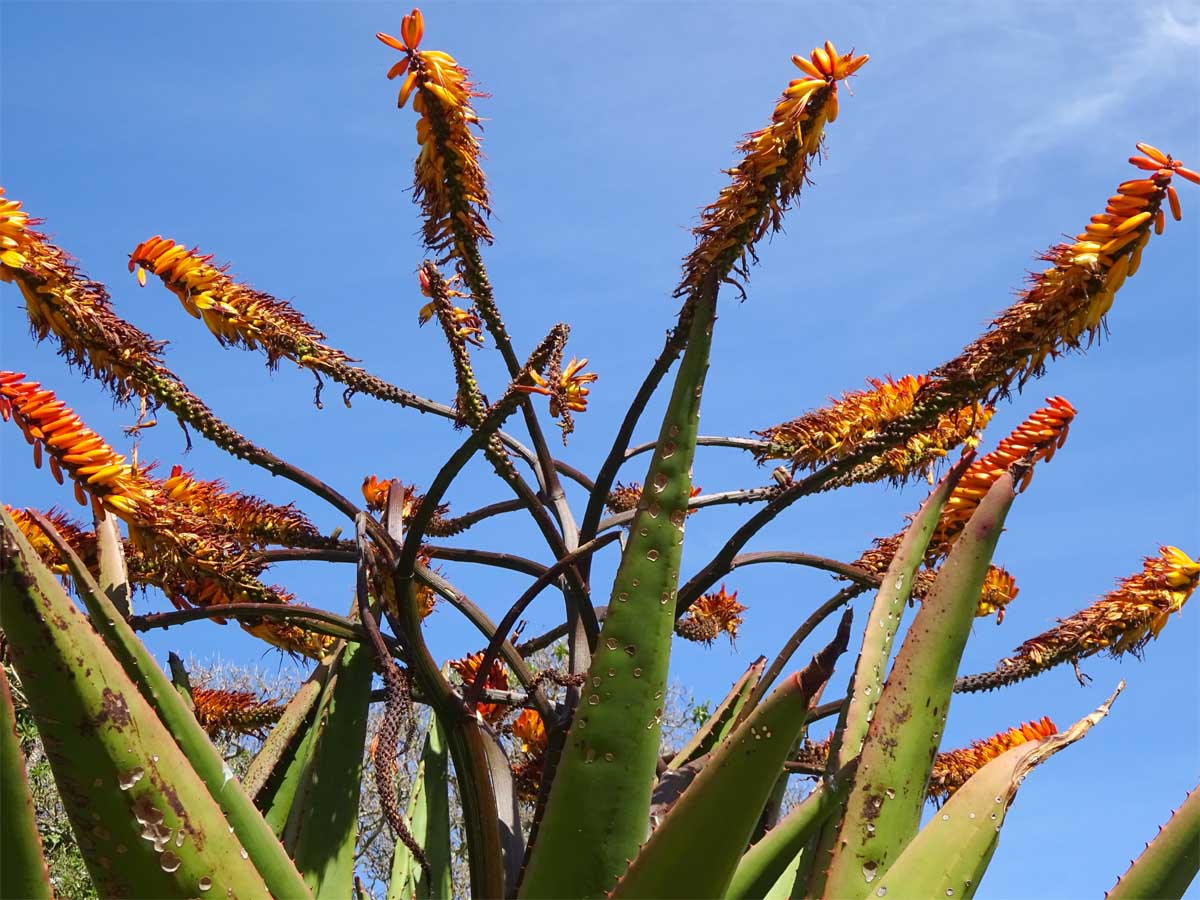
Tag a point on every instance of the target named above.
point(746, 495)
point(706, 441)
point(853, 573)
point(515, 611)
point(486, 558)
point(327, 623)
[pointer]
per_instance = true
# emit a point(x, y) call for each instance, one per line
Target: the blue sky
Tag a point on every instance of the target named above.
point(977, 136)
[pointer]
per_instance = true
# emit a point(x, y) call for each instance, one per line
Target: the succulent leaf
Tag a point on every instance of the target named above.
point(1170, 861)
point(161, 833)
point(949, 856)
point(884, 807)
point(24, 873)
point(724, 719)
point(607, 766)
point(429, 822)
point(695, 851)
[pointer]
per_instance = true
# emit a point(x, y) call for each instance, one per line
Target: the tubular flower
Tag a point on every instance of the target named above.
point(234, 712)
point(80, 540)
point(774, 167)
point(449, 183)
point(461, 324)
point(496, 680)
point(247, 517)
point(1122, 621)
point(56, 432)
point(1034, 440)
point(566, 389)
point(999, 587)
point(530, 734)
point(839, 429)
point(375, 491)
point(233, 312)
point(59, 300)
point(1064, 306)
point(711, 615)
point(952, 768)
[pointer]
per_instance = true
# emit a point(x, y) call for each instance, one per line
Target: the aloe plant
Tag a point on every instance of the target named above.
point(565, 786)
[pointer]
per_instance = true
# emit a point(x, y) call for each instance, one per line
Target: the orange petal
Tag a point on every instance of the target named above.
point(1155, 154)
point(390, 41)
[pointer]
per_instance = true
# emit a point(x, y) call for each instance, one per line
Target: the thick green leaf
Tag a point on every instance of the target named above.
point(718, 726)
point(883, 811)
point(696, 849)
point(1169, 862)
point(611, 754)
point(949, 856)
point(429, 821)
point(866, 683)
point(176, 715)
point(778, 853)
point(23, 875)
point(145, 822)
point(323, 820)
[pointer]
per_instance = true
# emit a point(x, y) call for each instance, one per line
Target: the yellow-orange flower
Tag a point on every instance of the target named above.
point(496, 679)
point(711, 615)
point(999, 587)
point(1064, 306)
point(839, 430)
point(234, 712)
point(82, 541)
point(566, 388)
point(530, 731)
point(774, 167)
point(233, 312)
point(69, 446)
point(247, 517)
point(59, 300)
point(1034, 440)
point(449, 183)
point(627, 496)
point(952, 768)
point(1123, 621)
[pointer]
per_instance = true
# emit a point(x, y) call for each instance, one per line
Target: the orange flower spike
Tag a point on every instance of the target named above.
point(95, 467)
point(952, 768)
point(1036, 439)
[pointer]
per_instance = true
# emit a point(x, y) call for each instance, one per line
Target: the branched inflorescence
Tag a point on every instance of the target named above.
point(1034, 440)
point(840, 429)
point(951, 768)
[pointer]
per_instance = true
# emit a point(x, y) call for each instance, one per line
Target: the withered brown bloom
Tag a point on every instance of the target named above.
point(710, 616)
